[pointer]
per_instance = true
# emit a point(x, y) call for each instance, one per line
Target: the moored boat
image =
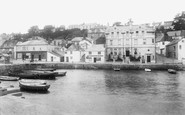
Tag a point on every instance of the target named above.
point(29, 74)
point(172, 71)
point(45, 69)
point(60, 74)
point(33, 85)
point(7, 78)
point(116, 69)
point(147, 70)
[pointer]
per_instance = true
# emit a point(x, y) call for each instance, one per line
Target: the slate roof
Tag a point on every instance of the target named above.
point(99, 47)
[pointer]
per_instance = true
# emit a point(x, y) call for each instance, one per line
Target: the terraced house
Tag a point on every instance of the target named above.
point(132, 42)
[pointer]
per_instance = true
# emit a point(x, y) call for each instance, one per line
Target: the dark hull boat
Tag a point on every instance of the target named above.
point(34, 75)
point(7, 78)
point(33, 85)
point(172, 71)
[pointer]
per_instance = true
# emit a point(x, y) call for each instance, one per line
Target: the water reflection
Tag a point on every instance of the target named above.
point(130, 82)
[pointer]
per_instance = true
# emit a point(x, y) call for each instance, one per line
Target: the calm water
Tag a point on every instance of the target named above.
point(102, 92)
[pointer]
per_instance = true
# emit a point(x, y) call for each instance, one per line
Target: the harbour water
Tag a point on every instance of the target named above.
point(107, 92)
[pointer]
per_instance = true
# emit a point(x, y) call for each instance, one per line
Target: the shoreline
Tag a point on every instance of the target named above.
point(5, 68)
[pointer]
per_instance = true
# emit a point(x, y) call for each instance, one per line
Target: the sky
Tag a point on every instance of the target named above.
point(17, 16)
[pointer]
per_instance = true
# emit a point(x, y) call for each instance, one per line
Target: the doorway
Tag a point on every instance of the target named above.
point(95, 60)
point(67, 59)
point(32, 58)
point(127, 53)
point(148, 58)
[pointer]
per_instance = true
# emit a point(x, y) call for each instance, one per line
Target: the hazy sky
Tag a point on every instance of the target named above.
point(20, 15)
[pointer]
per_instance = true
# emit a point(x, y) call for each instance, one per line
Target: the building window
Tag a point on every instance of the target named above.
point(65, 52)
point(33, 48)
point(90, 52)
point(137, 33)
point(127, 41)
point(152, 40)
point(180, 47)
point(71, 52)
point(99, 52)
point(71, 57)
point(182, 41)
point(144, 41)
point(111, 42)
point(163, 43)
point(174, 47)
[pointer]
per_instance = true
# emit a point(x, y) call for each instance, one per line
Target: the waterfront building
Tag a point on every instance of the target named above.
point(135, 42)
point(161, 47)
point(95, 54)
point(176, 49)
point(37, 49)
point(74, 54)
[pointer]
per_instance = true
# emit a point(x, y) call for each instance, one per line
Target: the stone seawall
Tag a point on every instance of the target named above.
point(4, 69)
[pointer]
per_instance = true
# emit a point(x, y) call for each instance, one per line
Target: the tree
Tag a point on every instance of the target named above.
point(48, 31)
point(33, 31)
point(179, 22)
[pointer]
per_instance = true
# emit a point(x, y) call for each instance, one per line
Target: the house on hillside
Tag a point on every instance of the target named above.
point(176, 49)
point(59, 42)
point(74, 54)
point(95, 54)
point(37, 49)
point(161, 45)
point(176, 34)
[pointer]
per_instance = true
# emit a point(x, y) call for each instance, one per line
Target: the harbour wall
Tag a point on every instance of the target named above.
point(4, 69)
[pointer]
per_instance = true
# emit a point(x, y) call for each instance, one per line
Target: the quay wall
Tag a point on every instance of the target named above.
point(4, 69)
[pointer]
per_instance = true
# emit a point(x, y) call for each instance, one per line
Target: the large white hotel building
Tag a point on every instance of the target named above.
point(131, 40)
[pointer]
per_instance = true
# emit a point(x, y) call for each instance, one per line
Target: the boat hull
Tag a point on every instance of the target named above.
point(7, 78)
point(33, 86)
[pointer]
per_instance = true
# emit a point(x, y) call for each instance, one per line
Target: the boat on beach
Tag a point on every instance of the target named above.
point(7, 78)
point(33, 85)
point(172, 71)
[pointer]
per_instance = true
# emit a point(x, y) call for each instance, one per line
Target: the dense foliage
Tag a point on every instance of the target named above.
point(49, 32)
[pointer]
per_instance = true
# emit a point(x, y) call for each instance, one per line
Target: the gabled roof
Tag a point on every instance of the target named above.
point(174, 42)
point(77, 39)
point(99, 47)
point(74, 47)
point(34, 42)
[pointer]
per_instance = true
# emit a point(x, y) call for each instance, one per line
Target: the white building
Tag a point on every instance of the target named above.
point(176, 49)
point(73, 54)
point(161, 47)
point(128, 40)
point(36, 49)
point(95, 54)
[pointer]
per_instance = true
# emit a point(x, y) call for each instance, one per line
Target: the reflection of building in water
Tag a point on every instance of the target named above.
point(133, 41)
